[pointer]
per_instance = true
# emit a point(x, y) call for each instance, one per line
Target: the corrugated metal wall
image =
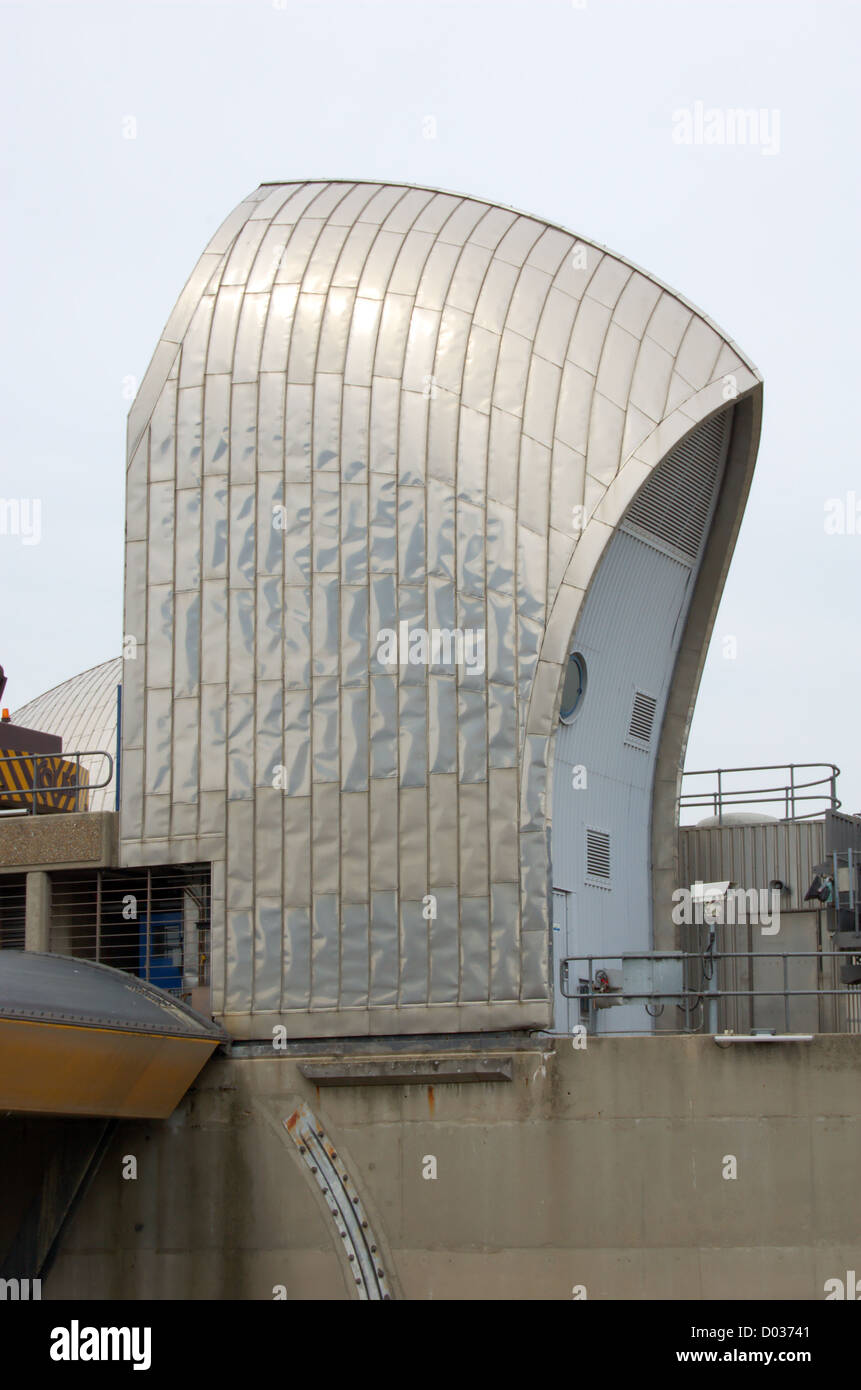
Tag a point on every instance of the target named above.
point(627, 636)
point(629, 632)
point(751, 856)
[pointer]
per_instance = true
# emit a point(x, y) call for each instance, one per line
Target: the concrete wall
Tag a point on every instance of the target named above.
point(600, 1168)
point(77, 840)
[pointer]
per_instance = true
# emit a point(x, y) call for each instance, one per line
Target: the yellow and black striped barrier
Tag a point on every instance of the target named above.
point(42, 782)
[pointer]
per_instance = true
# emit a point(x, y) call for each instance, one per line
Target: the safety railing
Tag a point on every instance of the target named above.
point(788, 794)
point(36, 783)
point(151, 922)
point(711, 991)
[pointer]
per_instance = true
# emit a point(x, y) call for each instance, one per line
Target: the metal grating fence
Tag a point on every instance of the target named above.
point(707, 990)
point(152, 922)
point(13, 900)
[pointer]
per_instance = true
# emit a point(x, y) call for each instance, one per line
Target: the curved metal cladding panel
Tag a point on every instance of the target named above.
point(83, 712)
point(374, 406)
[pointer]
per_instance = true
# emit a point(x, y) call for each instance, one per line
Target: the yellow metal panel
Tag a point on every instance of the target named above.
point(58, 1069)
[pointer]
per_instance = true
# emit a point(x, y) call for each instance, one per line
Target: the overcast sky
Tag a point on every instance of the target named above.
point(564, 110)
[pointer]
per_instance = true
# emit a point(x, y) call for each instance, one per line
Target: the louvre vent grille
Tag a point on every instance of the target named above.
point(674, 505)
point(642, 718)
point(598, 855)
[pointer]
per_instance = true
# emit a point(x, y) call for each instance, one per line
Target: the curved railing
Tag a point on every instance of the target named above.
point(788, 794)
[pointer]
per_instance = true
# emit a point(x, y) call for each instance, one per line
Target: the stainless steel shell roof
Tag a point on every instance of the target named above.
point(448, 406)
point(83, 712)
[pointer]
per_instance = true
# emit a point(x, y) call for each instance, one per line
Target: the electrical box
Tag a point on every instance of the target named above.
point(656, 973)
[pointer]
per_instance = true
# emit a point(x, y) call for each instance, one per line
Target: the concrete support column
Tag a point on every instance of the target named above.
point(37, 919)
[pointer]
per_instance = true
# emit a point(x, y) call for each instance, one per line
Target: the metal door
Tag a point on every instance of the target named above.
point(566, 1012)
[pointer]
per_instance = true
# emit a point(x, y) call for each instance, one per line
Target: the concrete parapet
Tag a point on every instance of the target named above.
point(79, 840)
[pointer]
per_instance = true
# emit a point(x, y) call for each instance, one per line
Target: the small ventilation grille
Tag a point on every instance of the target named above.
point(598, 855)
point(674, 505)
point(642, 719)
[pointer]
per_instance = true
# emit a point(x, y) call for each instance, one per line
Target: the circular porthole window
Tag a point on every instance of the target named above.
point(574, 688)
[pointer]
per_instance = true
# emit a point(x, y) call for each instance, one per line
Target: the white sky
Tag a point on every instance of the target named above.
point(560, 110)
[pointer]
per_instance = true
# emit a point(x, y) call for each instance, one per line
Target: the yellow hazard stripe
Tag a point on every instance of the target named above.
point(16, 775)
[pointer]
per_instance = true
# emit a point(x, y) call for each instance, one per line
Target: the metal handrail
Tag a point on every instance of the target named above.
point(699, 996)
point(48, 788)
point(788, 793)
point(626, 994)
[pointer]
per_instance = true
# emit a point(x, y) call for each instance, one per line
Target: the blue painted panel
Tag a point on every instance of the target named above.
point(166, 946)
